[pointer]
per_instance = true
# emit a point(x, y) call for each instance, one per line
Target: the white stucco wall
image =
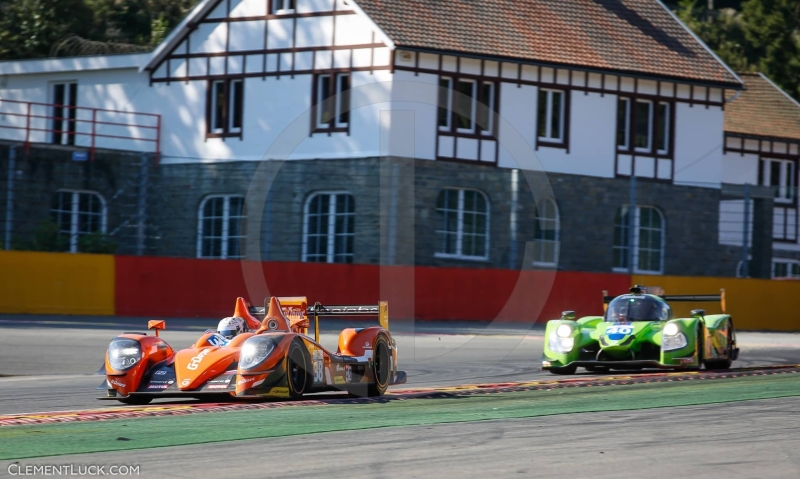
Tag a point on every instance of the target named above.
point(698, 145)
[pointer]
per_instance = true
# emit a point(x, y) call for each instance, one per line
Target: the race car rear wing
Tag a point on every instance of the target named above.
point(317, 310)
point(381, 310)
point(687, 298)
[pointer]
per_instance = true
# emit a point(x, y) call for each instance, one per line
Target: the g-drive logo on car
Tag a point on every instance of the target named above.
point(195, 362)
point(114, 382)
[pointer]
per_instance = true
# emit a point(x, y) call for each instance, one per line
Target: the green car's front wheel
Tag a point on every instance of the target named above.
point(564, 370)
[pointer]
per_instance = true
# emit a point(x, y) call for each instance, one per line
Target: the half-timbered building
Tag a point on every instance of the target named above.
point(762, 149)
point(490, 133)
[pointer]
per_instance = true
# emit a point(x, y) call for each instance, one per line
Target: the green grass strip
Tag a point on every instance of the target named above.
point(19, 442)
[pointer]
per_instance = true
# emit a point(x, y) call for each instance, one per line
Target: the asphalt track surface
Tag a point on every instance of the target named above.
point(48, 362)
point(749, 439)
point(48, 365)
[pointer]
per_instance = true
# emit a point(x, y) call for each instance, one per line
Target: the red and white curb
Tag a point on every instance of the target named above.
point(60, 417)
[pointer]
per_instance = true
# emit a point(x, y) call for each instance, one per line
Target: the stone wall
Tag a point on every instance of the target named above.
point(44, 170)
point(395, 204)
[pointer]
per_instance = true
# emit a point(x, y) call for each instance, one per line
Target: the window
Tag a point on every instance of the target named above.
point(221, 227)
point(65, 100)
point(486, 108)
point(649, 129)
point(465, 106)
point(643, 131)
point(648, 240)
point(462, 229)
point(623, 123)
point(78, 213)
point(226, 105)
point(546, 234)
point(785, 269)
point(551, 115)
point(329, 228)
point(472, 109)
point(281, 6)
point(662, 130)
point(332, 113)
point(782, 175)
point(445, 102)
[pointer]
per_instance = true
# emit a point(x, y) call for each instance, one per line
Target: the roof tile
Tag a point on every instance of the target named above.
point(762, 110)
point(636, 36)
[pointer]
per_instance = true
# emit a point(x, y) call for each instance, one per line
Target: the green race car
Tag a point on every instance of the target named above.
point(638, 331)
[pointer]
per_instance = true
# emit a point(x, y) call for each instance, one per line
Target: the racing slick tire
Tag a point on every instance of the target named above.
point(135, 400)
point(564, 370)
point(381, 368)
point(700, 348)
point(717, 364)
point(298, 372)
point(597, 369)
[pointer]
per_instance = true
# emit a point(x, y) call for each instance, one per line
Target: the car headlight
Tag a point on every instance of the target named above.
point(124, 353)
point(255, 350)
point(671, 329)
point(564, 331)
point(561, 341)
point(672, 338)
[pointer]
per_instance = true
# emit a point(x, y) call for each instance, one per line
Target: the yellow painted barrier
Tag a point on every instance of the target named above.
point(756, 304)
point(56, 283)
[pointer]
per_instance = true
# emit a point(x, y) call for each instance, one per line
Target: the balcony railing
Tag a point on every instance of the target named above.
point(90, 128)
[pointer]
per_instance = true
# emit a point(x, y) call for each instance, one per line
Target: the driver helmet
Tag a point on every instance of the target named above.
point(232, 326)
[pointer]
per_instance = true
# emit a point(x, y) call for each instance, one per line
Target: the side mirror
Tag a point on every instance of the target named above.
point(698, 312)
point(570, 315)
point(157, 324)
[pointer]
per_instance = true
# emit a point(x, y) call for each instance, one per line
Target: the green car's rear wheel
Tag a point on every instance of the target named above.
point(597, 369)
point(564, 370)
point(715, 364)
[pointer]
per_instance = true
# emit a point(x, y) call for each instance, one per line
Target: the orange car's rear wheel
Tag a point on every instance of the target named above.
point(136, 400)
point(298, 373)
point(381, 368)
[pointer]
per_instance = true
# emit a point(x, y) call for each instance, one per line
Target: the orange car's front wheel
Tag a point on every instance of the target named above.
point(298, 372)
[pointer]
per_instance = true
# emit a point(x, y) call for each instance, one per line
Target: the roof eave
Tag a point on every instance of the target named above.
point(175, 37)
point(381, 33)
point(753, 136)
point(700, 41)
point(779, 89)
point(569, 66)
point(34, 66)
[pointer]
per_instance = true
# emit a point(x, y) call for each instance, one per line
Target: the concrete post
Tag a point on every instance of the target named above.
point(12, 168)
point(745, 232)
point(632, 218)
point(141, 207)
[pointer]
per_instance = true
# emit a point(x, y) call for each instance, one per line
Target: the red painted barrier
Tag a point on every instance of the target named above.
point(531, 295)
point(151, 286)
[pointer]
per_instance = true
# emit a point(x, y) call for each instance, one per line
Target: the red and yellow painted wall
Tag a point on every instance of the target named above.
point(84, 284)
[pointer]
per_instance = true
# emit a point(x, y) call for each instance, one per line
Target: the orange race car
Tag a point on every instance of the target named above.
point(269, 357)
